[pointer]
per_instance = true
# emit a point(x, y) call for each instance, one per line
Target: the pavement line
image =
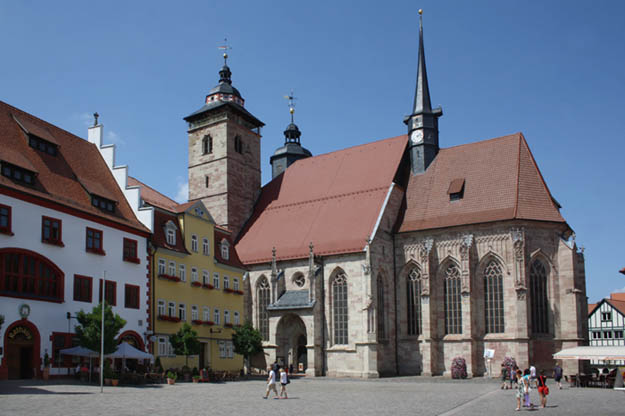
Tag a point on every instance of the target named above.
point(463, 406)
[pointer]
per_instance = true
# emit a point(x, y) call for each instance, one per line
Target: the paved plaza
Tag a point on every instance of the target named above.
point(308, 396)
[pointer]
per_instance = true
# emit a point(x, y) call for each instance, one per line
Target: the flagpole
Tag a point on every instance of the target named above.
point(102, 335)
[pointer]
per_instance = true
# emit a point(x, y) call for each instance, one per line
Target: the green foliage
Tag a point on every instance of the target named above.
point(171, 374)
point(89, 328)
point(108, 371)
point(195, 372)
point(185, 342)
point(247, 340)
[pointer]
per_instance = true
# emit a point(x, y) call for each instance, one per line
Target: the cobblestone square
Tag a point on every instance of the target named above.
point(308, 396)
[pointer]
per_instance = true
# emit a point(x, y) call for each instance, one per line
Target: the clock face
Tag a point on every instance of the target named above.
point(416, 137)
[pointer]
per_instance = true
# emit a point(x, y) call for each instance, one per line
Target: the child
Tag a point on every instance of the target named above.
point(283, 382)
point(504, 376)
point(543, 390)
point(526, 388)
point(520, 392)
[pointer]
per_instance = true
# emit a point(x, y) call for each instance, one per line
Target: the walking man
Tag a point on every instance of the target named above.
point(271, 383)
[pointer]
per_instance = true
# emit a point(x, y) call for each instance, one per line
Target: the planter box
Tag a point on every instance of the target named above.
point(168, 277)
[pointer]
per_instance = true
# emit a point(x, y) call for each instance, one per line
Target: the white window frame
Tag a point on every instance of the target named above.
point(194, 274)
point(206, 313)
point(162, 266)
point(226, 316)
point(162, 307)
point(226, 282)
point(237, 319)
point(222, 349)
point(171, 270)
point(182, 271)
point(205, 277)
point(225, 249)
point(171, 309)
point(235, 283)
point(182, 312)
point(205, 246)
point(194, 243)
point(195, 314)
point(216, 317)
point(216, 280)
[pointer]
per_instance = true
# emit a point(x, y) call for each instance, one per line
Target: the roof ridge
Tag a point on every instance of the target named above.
point(325, 198)
point(158, 192)
point(518, 181)
point(355, 147)
point(507, 136)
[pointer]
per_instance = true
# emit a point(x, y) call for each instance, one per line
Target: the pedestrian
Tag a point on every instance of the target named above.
point(526, 389)
point(275, 367)
point(513, 378)
point(543, 390)
point(520, 390)
point(504, 376)
point(533, 376)
point(284, 380)
point(271, 383)
point(557, 375)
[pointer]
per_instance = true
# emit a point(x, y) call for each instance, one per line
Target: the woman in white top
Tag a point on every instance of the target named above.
point(283, 382)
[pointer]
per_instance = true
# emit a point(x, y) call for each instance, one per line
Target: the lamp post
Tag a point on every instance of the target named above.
point(102, 304)
point(69, 331)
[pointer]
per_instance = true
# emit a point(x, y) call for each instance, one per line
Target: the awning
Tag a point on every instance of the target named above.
point(125, 350)
point(591, 353)
point(79, 352)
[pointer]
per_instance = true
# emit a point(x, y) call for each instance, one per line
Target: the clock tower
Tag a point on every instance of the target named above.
point(423, 122)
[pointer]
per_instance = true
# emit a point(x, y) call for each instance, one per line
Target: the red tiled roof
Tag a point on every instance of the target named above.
point(234, 257)
point(620, 296)
point(501, 182)
point(152, 196)
point(59, 177)
point(158, 234)
point(619, 305)
point(332, 200)
point(36, 129)
point(591, 307)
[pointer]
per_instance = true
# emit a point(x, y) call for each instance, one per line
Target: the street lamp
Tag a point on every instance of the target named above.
point(69, 332)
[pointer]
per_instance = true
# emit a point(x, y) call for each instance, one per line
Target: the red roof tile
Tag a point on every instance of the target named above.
point(36, 129)
point(501, 182)
point(617, 296)
point(332, 200)
point(234, 260)
point(619, 305)
point(152, 196)
point(591, 307)
point(59, 177)
point(158, 234)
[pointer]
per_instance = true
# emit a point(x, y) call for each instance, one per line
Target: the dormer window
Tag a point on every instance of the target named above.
point(18, 174)
point(456, 189)
point(170, 233)
point(42, 145)
point(225, 250)
point(103, 203)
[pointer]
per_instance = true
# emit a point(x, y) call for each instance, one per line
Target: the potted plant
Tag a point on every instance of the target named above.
point(46, 366)
point(171, 377)
point(115, 380)
point(458, 368)
point(195, 375)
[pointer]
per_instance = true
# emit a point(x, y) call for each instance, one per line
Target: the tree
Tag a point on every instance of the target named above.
point(90, 324)
point(247, 342)
point(185, 342)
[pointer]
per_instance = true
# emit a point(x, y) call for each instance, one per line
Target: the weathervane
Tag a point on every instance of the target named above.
point(291, 99)
point(225, 47)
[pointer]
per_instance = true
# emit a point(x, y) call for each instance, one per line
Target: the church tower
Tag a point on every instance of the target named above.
point(423, 122)
point(292, 150)
point(224, 154)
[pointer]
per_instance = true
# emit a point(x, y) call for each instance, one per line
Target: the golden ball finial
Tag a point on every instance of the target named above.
point(225, 55)
point(420, 11)
point(291, 110)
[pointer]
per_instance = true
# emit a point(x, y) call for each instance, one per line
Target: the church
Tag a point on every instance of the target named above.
point(392, 257)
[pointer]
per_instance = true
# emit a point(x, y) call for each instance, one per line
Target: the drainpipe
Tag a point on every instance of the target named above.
point(396, 308)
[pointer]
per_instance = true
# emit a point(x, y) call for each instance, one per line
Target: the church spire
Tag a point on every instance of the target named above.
point(423, 122)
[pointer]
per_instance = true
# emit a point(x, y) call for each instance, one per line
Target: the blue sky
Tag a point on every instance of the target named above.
point(553, 70)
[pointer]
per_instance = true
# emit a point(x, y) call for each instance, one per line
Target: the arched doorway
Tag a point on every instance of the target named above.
point(291, 339)
point(22, 346)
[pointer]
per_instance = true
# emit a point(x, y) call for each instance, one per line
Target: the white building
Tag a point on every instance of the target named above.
point(64, 223)
point(606, 324)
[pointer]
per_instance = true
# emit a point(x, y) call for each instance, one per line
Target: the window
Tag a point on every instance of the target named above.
point(226, 316)
point(165, 348)
point(161, 307)
point(453, 302)
point(94, 241)
point(607, 334)
point(222, 349)
point(171, 236)
point(110, 289)
point(28, 275)
point(413, 302)
point(263, 295)
point(131, 297)
point(205, 277)
point(194, 243)
point(226, 282)
point(237, 320)
point(235, 283)
point(82, 288)
point(51, 231)
point(5, 220)
point(226, 349)
point(205, 246)
point(596, 335)
point(195, 315)
point(216, 280)
point(193, 274)
point(380, 309)
point(199, 212)
point(339, 308)
point(171, 270)
point(171, 309)
point(130, 250)
point(225, 250)
point(182, 312)
point(42, 145)
point(538, 297)
point(182, 271)
point(206, 181)
point(606, 316)
point(161, 266)
point(207, 145)
point(206, 312)
point(493, 298)
point(618, 334)
point(102, 203)
point(216, 317)
point(18, 174)
point(299, 280)
point(238, 144)
point(456, 189)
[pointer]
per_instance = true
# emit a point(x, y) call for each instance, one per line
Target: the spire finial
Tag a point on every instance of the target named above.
point(95, 118)
point(225, 47)
point(291, 99)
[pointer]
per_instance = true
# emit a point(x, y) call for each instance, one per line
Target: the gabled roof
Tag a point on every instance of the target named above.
point(234, 259)
point(292, 299)
point(152, 197)
point(501, 182)
point(616, 300)
point(591, 307)
point(332, 200)
point(65, 180)
point(159, 237)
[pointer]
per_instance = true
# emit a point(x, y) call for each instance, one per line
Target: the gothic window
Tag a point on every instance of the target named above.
point(207, 145)
point(413, 294)
point(238, 144)
point(538, 297)
point(380, 309)
point(493, 298)
point(339, 308)
point(262, 296)
point(453, 302)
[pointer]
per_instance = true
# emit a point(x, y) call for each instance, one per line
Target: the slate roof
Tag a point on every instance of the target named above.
point(501, 182)
point(292, 299)
point(332, 200)
point(213, 105)
point(68, 178)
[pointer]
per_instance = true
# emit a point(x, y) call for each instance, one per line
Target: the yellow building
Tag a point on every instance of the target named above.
point(196, 277)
